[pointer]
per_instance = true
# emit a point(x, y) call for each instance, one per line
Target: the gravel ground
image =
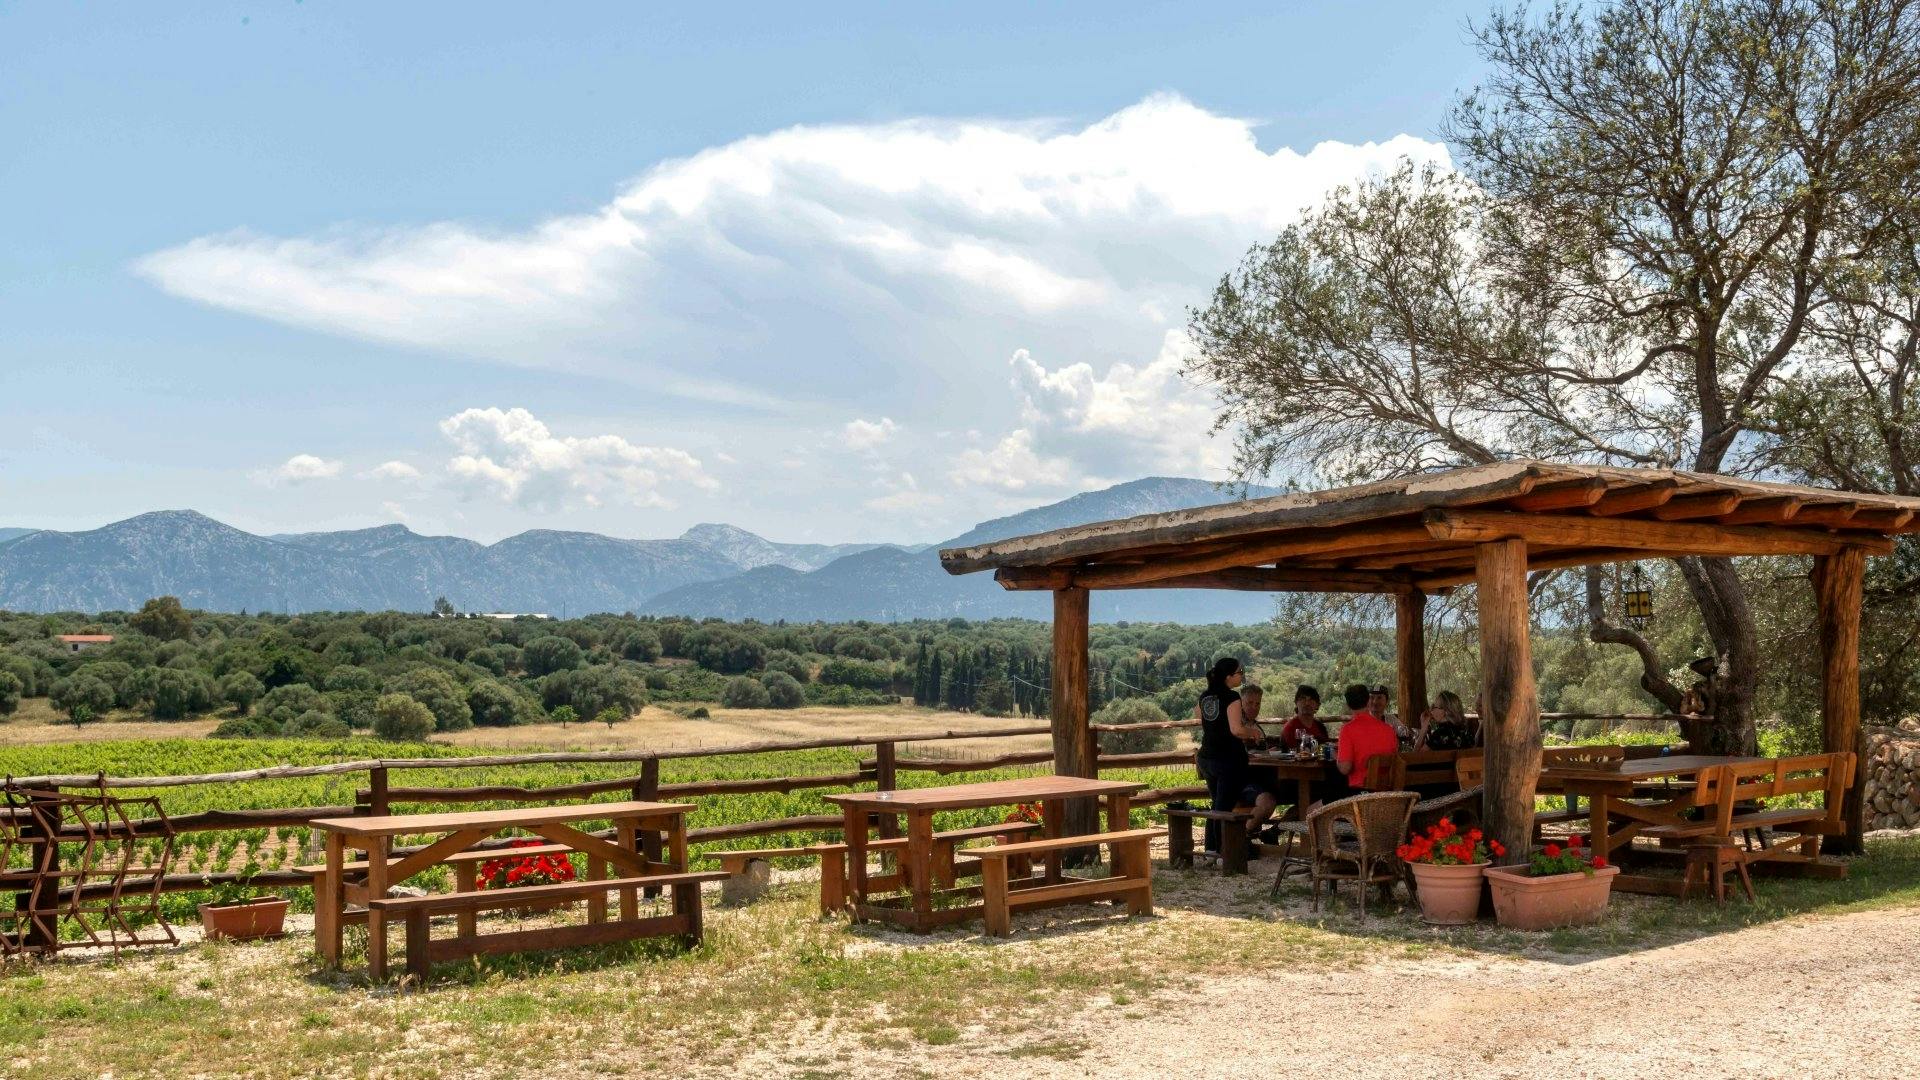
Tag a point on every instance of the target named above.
point(1826, 996)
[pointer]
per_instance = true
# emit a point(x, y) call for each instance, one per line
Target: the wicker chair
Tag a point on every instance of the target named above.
point(1379, 821)
point(1296, 855)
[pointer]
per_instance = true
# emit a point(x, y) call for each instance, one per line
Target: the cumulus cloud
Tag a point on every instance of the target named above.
point(866, 434)
point(393, 470)
point(511, 454)
point(857, 247)
point(299, 469)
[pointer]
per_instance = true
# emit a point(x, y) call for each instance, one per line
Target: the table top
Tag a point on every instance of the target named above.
point(992, 793)
point(1647, 768)
point(1288, 765)
point(452, 821)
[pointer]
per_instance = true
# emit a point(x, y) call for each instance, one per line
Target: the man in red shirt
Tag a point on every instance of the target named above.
point(1364, 736)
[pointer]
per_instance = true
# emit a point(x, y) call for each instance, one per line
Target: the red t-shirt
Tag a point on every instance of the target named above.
point(1365, 736)
point(1290, 734)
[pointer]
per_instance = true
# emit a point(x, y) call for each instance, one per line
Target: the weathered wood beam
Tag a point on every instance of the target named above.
point(1251, 553)
point(1415, 560)
point(1410, 654)
point(1559, 560)
point(1510, 711)
point(1564, 496)
point(1636, 498)
point(1773, 511)
point(1888, 519)
point(1478, 526)
point(1073, 745)
point(1827, 514)
point(1697, 506)
point(1837, 589)
point(1238, 578)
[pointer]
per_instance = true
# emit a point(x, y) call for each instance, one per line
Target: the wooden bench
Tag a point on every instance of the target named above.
point(947, 867)
point(466, 867)
point(423, 951)
point(1235, 846)
point(1131, 880)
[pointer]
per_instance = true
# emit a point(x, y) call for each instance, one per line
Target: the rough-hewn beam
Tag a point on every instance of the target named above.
point(1240, 578)
point(1510, 713)
point(1410, 654)
point(1696, 506)
point(1889, 519)
point(1252, 553)
point(1559, 560)
point(1633, 499)
point(1565, 496)
point(1772, 511)
point(1073, 746)
point(1478, 526)
point(1837, 586)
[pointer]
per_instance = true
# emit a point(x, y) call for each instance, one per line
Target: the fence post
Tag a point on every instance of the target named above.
point(377, 790)
point(884, 756)
point(647, 789)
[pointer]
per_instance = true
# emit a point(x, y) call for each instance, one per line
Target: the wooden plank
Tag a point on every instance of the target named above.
point(1774, 511)
point(1829, 514)
point(1881, 519)
point(1410, 653)
point(1251, 553)
point(1837, 590)
point(493, 899)
point(1238, 578)
point(992, 793)
point(1512, 721)
point(1061, 843)
point(1632, 500)
point(432, 854)
point(554, 937)
point(1070, 891)
point(1484, 525)
point(495, 820)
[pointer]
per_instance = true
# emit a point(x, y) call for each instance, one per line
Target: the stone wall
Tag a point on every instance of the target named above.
point(1893, 778)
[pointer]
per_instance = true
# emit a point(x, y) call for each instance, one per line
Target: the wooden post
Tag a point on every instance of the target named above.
point(648, 790)
point(1837, 587)
point(1073, 745)
point(884, 779)
point(377, 791)
point(1511, 719)
point(1410, 654)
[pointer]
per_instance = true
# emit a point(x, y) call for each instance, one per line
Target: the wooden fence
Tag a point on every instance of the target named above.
point(381, 794)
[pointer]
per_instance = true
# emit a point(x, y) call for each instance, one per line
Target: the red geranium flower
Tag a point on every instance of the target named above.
point(1553, 851)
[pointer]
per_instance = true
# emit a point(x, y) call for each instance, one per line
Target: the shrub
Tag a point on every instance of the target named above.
point(283, 704)
point(546, 655)
point(314, 724)
point(743, 692)
point(495, 704)
point(176, 693)
point(783, 690)
point(240, 690)
point(607, 686)
point(246, 727)
point(9, 692)
point(399, 718)
point(1133, 711)
point(863, 674)
point(727, 651)
point(610, 716)
point(792, 663)
point(351, 677)
point(353, 707)
point(439, 692)
point(82, 697)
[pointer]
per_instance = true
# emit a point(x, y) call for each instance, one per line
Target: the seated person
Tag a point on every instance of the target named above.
point(1364, 737)
point(1445, 726)
point(1305, 719)
point(1377, 699)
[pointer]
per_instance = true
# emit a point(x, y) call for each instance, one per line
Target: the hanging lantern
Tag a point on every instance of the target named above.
point(1639, 598)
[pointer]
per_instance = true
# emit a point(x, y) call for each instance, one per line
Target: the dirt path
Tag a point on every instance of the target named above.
point(1825, 996)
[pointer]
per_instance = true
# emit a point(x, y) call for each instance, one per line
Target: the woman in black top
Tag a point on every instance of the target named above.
point(1222, 760)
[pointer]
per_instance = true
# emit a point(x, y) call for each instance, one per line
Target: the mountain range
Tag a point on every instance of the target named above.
point(710, 570)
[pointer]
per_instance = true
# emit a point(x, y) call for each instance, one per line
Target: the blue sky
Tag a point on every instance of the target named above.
point(826, 272)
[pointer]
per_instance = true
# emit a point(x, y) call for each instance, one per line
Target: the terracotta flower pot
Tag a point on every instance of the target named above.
point(1449, 895)
point(260, 917)
point(1543, 903)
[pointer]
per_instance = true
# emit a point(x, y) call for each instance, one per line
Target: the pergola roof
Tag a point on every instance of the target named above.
point(1419, 532)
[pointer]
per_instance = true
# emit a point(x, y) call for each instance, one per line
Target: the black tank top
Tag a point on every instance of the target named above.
point(1217, 739)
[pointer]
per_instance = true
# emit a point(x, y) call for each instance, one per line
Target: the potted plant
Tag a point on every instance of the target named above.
point(240, 913)
point(1558, 886)
point(523, 871)
point(1446, 865)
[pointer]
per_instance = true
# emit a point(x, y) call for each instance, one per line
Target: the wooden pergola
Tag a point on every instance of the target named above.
point(1488, 525)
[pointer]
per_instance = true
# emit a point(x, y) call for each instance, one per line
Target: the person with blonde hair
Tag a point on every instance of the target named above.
point(1445, 726)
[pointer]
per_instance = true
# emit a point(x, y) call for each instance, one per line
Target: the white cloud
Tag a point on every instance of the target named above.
point(509, 453)
point(904, 496)
point(299, 469)
point(866, 434)
point(395, 511)
point(393, 470)
point(817, 260)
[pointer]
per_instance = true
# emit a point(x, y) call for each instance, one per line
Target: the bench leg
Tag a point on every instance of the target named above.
point(1132, 860)
point(993, 890)
point(596, 902)
point(628, 839)
point(326, 921)
point(686, 904)
point(1180, 842)
point(943, 872)
point(1234, 847)
point(833, 882)
point(465, 879)
point(419, 928)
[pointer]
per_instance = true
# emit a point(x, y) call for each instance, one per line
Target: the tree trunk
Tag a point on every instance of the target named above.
point(1722, 600)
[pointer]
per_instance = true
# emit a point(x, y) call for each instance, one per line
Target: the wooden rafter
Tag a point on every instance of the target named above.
point(1238, 578)
point(1476, 526)
point(1696, 506)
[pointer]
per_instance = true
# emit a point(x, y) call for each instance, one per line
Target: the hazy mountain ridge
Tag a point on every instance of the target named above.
point(710, 570)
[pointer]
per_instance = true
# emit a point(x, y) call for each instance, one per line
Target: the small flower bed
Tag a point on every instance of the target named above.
point(1575, 858)
point(511, 871)
point(1445, 845)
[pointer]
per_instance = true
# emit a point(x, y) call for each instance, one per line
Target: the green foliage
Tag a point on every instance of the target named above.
point(1133, 711)
point(439, 692)
point(610, 716)
point(546, 655)
point(241, 689)
point(82, 697)
point(163, 618)
point(246, 727)
point(840, 671)
point(783, 690)
point(400, 718)
point(496, 704)
point(791, 663)
point(315, 724)
point(725, 650)
point(745, 692)
point(9, 692)
point(564, 715)
point(177, 693)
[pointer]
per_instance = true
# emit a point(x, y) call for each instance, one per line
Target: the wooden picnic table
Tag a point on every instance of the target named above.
point(1627, 798)
point(1304, 774)
point(341, 885)
point(918, 805)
